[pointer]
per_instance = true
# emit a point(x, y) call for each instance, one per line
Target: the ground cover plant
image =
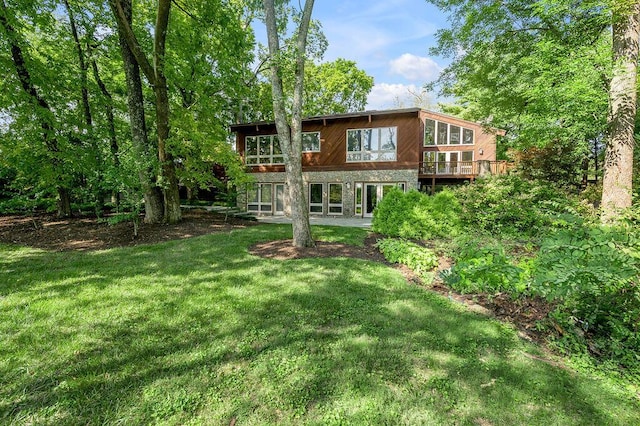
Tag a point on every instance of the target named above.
point(531, 240)
point(200, 331)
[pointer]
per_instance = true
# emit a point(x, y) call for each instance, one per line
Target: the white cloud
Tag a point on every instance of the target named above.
point(415, 68)
point(389, 96)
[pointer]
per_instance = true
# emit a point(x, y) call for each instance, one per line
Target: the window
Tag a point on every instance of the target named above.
point(311, 142)
point(440, 133)
point(454, 135)
point(259, 198)
point(315, 198)
point(429, 132)
point(335, 198)
point(467, 136)
point(263, 150)
point(377, 144)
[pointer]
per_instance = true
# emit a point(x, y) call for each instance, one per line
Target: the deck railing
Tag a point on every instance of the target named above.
point(463, 168)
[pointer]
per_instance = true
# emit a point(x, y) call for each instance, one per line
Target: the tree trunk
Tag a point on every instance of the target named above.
point(290, 136)
point(153, 200)
point(171, 193)
point(155, 75)
point(43, 112)
point(618, 166)
point(113, 140)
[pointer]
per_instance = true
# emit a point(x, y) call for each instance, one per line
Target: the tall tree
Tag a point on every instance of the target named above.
point(156, 76)
point(540, 69)
point(153, 198)
point(40, 107)
point(289, 127)
point(618, 166)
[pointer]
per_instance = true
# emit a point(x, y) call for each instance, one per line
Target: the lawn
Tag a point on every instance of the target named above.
point(199, 331)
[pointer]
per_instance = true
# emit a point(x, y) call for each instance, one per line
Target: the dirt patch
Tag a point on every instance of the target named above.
point(88, 233)
point(284, 250)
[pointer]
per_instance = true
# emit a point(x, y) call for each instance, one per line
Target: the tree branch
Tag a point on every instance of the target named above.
point(132, 41)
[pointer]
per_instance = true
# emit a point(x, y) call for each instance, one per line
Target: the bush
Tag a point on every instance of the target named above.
point(513, 206)
point(419, 259)
point(484, 268)
point(594, 276)
point(414, 215)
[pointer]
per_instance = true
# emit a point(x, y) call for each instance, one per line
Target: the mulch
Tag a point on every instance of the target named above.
point(85, 233)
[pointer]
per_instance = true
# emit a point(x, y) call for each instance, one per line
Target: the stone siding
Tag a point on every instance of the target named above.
point(348, 178)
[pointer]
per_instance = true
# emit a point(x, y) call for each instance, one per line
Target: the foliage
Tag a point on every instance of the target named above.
point(420, 260)
point(199, 331)
point(511, 205)
point(415, 215)
point(538, 69)
point(593, 275)
point(482, 266)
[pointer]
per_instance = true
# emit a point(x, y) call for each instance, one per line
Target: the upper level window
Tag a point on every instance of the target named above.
point(440, 133)
point(311, 142)
point(263, 150)
point(379, 144)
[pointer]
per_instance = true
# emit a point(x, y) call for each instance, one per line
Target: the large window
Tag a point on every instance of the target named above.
point(440, 133)
point(263, 150)
point(335, 198)
point(259, 198)
point(447, 163)
point(311, 142)
point(379, 144)
point(315, 198)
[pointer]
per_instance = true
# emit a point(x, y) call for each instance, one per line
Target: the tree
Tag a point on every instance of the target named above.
point(290, 127)
point(618, 175)
point(156, 76)
point(40, 108)
point(538, 69)
point(335, 87)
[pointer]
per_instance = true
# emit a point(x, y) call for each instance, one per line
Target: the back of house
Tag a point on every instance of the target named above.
point(351, 160)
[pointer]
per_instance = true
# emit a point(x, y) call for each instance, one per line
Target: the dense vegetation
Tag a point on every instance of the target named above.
point(508, 234)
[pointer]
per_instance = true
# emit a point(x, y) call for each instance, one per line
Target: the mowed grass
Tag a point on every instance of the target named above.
point(199, 331)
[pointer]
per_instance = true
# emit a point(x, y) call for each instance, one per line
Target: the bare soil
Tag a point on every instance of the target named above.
point(88, 233)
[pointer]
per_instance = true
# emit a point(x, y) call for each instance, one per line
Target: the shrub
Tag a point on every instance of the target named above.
point(594, 276)
point(512, 206)
point(484, 268)
point(420, 260)
point(414, 215)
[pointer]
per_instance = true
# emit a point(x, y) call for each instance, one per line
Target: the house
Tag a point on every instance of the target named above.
point(351, 160)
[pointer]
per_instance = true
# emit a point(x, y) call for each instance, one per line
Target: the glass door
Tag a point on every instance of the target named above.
point(279, 199)
point(374, 192)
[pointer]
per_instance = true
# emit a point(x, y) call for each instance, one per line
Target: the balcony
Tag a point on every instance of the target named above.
point(463, 169)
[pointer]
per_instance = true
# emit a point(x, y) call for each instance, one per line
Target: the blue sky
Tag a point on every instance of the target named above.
point(389, 39)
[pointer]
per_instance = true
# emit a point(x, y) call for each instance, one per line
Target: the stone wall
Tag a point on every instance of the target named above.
point(347, 178)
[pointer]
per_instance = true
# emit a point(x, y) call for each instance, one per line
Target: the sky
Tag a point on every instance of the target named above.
point(389, 40)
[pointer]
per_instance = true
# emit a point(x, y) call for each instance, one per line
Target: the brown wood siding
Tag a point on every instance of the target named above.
point(410, 139)
point(333, 143)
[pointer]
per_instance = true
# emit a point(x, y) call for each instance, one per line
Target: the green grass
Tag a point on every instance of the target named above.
point(199, 331)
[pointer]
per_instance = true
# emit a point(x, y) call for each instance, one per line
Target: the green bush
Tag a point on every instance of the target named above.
point(484, 268)
point(594, 277)
point(510, 205)
point(414, 215)
point(420, 260)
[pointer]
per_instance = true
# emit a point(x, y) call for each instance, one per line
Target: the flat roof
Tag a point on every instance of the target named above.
point(239, 126)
